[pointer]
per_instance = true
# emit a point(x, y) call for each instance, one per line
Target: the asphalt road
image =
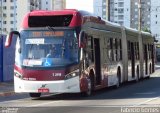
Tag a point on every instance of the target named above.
point(141, 97)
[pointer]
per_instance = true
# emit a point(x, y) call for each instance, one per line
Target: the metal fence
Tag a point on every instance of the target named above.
point(7, 56)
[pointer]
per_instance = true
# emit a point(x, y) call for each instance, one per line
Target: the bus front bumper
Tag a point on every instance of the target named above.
point(71, 85)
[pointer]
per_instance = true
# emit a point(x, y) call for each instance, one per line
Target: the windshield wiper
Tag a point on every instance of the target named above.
point(50, 28)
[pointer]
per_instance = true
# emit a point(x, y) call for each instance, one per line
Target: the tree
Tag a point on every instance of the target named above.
point(145, 29)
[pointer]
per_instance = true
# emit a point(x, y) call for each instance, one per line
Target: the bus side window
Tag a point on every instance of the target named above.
point(116, 50)
point(120, 43)
point(129, 50)
point(110, 52)
point(89, 48)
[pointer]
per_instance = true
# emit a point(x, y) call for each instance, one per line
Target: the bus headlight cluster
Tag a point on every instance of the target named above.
point(71, 75)
point(18, 75)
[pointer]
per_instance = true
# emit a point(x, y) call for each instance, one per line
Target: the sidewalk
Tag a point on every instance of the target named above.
point(6, 88)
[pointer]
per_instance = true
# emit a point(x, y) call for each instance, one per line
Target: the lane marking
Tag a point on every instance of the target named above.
point(39, 105)
point(144, 102)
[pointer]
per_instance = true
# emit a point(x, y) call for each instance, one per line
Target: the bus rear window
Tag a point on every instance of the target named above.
point(53, 21)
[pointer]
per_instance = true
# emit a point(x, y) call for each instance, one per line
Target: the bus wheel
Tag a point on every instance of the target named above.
point(89, 89)
point(137, 77)
point(118, 78)
point(35, 95)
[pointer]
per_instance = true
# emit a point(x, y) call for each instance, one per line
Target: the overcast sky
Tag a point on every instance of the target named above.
point(86, 5)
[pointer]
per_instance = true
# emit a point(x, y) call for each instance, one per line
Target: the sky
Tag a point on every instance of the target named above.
point(86, 5)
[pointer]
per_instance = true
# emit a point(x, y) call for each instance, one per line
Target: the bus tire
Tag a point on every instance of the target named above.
point(137, 73)
point(150, 72)
point(118, 78)
point(34, 95)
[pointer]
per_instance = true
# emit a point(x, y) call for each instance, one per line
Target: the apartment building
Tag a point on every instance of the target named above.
point(101, 8)
point(155, 19)
point(59, 4)
point(145, 14)
point(7, 16)
point(13, 11)
point(46, 5)
point(25, 6)
point(120, 12)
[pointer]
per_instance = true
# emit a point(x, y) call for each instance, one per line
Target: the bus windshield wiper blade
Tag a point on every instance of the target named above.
point(50, 28)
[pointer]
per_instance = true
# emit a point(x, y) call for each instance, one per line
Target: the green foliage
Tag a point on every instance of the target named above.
point(145, 29)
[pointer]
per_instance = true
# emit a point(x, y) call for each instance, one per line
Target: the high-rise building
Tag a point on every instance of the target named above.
point(155, 18)
point(25, 6)
point(59, 4)
point(145, 14)
point(120, 12)
point(101, 8)
point(7, 16)
point(46, 4)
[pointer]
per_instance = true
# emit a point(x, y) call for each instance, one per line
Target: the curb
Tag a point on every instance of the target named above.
point(7, 93)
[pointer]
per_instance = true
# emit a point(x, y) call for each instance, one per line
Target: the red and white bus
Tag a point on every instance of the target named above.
point(71, 51)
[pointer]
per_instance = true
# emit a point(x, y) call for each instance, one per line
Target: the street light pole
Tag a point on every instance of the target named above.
point(139, 15)
point(1, 17)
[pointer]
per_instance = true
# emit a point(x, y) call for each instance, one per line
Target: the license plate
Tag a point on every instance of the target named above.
point(43, 90)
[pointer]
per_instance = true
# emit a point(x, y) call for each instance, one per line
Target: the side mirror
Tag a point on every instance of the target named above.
point(82, 39)
point(9, 38)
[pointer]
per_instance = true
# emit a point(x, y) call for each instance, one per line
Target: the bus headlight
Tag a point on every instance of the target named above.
point(71, 75)
point(18, 75)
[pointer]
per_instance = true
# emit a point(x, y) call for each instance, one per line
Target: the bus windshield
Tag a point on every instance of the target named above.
point(49, 48)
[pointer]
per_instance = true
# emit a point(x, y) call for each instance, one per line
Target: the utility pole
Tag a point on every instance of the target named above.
point(139, 15)
point(108, 9)
point(1, 13)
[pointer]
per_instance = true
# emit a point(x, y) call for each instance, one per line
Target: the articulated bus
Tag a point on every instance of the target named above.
point(71, 51)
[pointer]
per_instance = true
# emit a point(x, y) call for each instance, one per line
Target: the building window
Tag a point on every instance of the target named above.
point(120, 17)
point(46, 2)
point(156, 22)
point(4, 7)
point(11, 22)
point(136, 16)
point(4, 0)
point(120, 10)
point(11, 0)
point(120, 4)
point(11, 29)
point(4, 22)
point(11, 15)
point(12, 7)
point(156, 16)
point(4, 29)
point(4, 15)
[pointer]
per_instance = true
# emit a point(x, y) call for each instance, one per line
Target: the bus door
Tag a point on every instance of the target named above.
point(146, 58)
point(152, 56)
point(97, 61)
point(133, 59)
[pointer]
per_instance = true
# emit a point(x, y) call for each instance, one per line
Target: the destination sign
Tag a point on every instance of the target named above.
point(46, 33)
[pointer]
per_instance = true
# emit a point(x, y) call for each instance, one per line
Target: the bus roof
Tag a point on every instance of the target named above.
point(72, 17)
